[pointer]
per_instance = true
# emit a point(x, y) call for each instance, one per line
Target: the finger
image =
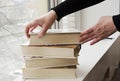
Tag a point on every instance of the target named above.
point(95, 41)
point(87, 32)
point(81, 39)
point(89, 39)
point(42, 32)
point(27, 32)
point(29, 28)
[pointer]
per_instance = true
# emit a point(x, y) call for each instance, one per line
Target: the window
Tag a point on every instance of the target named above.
point(14, 14)
point(70, 21)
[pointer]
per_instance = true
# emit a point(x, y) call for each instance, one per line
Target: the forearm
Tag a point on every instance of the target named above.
point(116, 20)
point(70, 6)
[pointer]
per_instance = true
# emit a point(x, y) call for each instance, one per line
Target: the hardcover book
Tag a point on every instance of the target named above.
point(55, 37)
point(34, 62)
point(61, 51)
point(49, 73)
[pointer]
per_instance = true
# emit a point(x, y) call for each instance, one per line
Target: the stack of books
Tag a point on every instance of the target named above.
point(52, 56)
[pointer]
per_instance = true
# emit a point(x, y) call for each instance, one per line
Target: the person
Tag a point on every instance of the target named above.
point(105, 26)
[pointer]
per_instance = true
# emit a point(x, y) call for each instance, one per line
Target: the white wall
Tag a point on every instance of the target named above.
point(89, 16)
point(42, 6)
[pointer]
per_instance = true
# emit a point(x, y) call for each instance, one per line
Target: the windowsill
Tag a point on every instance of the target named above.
point(91, 55)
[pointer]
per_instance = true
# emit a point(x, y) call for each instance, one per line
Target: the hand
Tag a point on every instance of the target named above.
point(44, 21)
point(104, 28)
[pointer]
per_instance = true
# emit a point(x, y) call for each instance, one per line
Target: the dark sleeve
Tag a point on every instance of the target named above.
point(70, 6)
point(116, 20)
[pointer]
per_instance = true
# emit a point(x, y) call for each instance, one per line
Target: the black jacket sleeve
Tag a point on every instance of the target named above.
point(116, 20)
point(70, 6)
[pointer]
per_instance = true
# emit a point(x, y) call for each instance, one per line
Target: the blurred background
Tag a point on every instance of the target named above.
point(14, 14)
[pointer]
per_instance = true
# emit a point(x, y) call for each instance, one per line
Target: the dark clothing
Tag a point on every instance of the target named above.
point(70, 6)
point(116, 20)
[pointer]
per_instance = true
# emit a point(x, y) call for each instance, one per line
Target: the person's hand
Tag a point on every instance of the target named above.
point(102, 29)
point(44, 21)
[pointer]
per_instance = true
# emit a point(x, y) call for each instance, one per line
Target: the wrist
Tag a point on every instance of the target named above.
point(53, 14)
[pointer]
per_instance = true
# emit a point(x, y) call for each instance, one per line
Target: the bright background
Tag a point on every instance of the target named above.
point(15, 14)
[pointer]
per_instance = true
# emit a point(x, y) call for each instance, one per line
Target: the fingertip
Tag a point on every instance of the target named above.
point(94, 41)
point(40, 35)
point(80, 40)
point(81, 34)
point(42, 32)
point(28, 36)
point(31, 30)
point(83, 38)
point(81, 43)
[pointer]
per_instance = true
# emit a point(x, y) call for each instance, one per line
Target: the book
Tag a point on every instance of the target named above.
point(60, 51)
point(56, 37)
point(49, 73)
point(33, 62)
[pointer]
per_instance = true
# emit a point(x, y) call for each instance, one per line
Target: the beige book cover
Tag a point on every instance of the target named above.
point(49, 73)
point(64, 51)
point(32, 62)
point(55, 37)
